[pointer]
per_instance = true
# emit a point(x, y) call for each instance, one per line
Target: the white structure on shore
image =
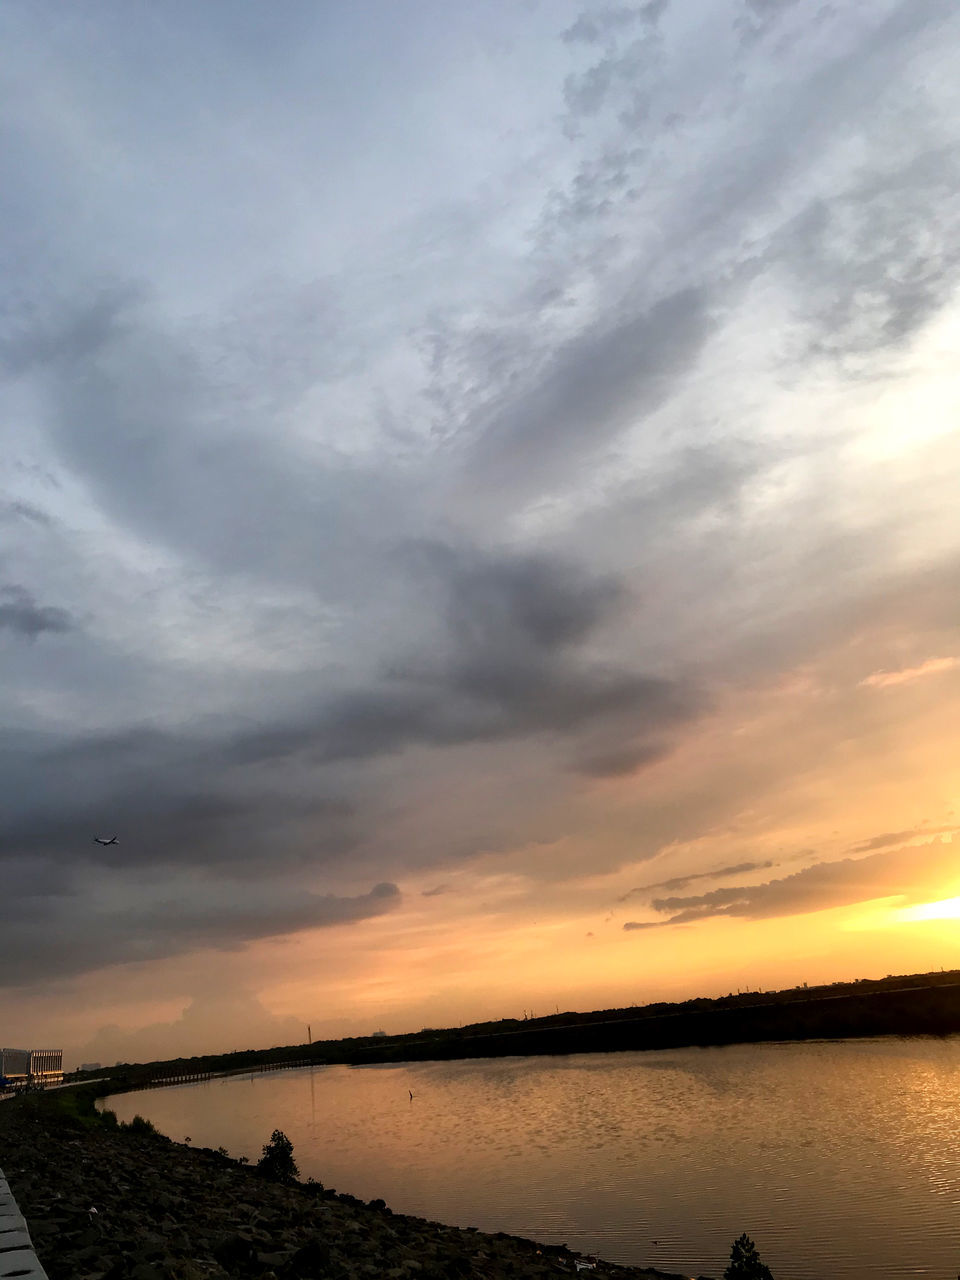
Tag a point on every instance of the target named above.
point(32, 1066)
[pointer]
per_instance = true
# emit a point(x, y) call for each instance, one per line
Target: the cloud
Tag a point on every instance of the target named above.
point(592, 26)
point(509, 664)
point(882, 841)
point(593, 388)
point(510, 660)
point(887, 838)
point(888, 679)
point(371, 501)
point(913, 873)
point(127, 920)
point(436, 891)
point(622, 761)
point(681, 882)
point(25, 511)
point(759, 17)
point(212, 1022)
point(20, 613)
point(173, 798)
point(622, 70)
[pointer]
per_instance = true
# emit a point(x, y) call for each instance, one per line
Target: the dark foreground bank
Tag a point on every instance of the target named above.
point(109, 1203)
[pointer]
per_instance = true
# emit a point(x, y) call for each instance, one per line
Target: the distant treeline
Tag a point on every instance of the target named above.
point(914, 1004)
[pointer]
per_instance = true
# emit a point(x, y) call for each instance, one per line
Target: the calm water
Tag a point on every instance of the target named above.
point(840, 1159)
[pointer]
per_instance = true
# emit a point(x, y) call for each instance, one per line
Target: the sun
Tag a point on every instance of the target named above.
point(945, 909)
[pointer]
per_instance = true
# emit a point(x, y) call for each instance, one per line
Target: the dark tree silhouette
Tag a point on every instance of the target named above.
point(277, 1162)
point(745, 1262)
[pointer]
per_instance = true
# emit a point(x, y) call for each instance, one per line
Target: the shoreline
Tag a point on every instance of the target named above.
point(106, 1202)
point(902, 1005)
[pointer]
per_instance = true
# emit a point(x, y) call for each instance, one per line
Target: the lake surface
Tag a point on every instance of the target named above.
point(841, 1159)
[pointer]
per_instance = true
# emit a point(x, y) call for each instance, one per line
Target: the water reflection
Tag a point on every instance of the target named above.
point(840, 1159)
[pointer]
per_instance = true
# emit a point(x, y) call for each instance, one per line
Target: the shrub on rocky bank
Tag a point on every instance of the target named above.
point(277, 1162)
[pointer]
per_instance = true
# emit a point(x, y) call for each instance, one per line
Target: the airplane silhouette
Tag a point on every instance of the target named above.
point(106, 840)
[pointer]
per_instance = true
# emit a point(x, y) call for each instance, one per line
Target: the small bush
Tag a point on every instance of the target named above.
point(745, 1262)
point(140, 1125)
point(277, 1162)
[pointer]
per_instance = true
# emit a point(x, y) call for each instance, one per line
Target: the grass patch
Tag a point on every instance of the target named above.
point(65, 1108)
point(139, 1125)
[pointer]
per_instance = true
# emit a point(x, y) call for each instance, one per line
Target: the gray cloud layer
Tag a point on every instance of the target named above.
point(338, 447)
point(20, 613)
point(83, 932)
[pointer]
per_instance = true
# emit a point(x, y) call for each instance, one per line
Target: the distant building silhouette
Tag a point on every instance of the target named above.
point(31, 1066)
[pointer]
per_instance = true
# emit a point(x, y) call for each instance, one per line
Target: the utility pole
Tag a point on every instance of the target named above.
point(309, 1036)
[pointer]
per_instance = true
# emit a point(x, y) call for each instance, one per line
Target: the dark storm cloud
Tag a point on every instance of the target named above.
point(172, 798)
point(511, 661)
point(66, 887)
point(215, 915)
point(529, 601)
point(21, 614)
point(916, 873)
point(511, 665)
point(517, 627)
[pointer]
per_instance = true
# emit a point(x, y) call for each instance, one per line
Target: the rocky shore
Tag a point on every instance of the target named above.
point(109, 1203)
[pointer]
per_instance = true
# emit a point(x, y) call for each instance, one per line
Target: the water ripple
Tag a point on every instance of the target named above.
point(840, 1159)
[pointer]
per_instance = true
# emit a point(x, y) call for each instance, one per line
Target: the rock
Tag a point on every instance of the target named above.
point(146, 1271)
point(279, 1258)
point(233, 1251)
point(312, 1258)
point(168, 1212)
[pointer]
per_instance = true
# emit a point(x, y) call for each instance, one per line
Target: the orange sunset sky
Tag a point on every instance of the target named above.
point(478, 512)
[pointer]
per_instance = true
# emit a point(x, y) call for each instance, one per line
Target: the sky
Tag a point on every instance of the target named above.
point(478, 510)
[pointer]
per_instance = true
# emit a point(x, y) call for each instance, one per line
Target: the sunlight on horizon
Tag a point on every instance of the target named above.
point(944, 909)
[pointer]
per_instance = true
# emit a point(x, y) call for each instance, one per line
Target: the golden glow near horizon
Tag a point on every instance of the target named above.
point(944, 909)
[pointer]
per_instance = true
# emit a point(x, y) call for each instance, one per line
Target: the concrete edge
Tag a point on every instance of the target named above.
point(17, 1255)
